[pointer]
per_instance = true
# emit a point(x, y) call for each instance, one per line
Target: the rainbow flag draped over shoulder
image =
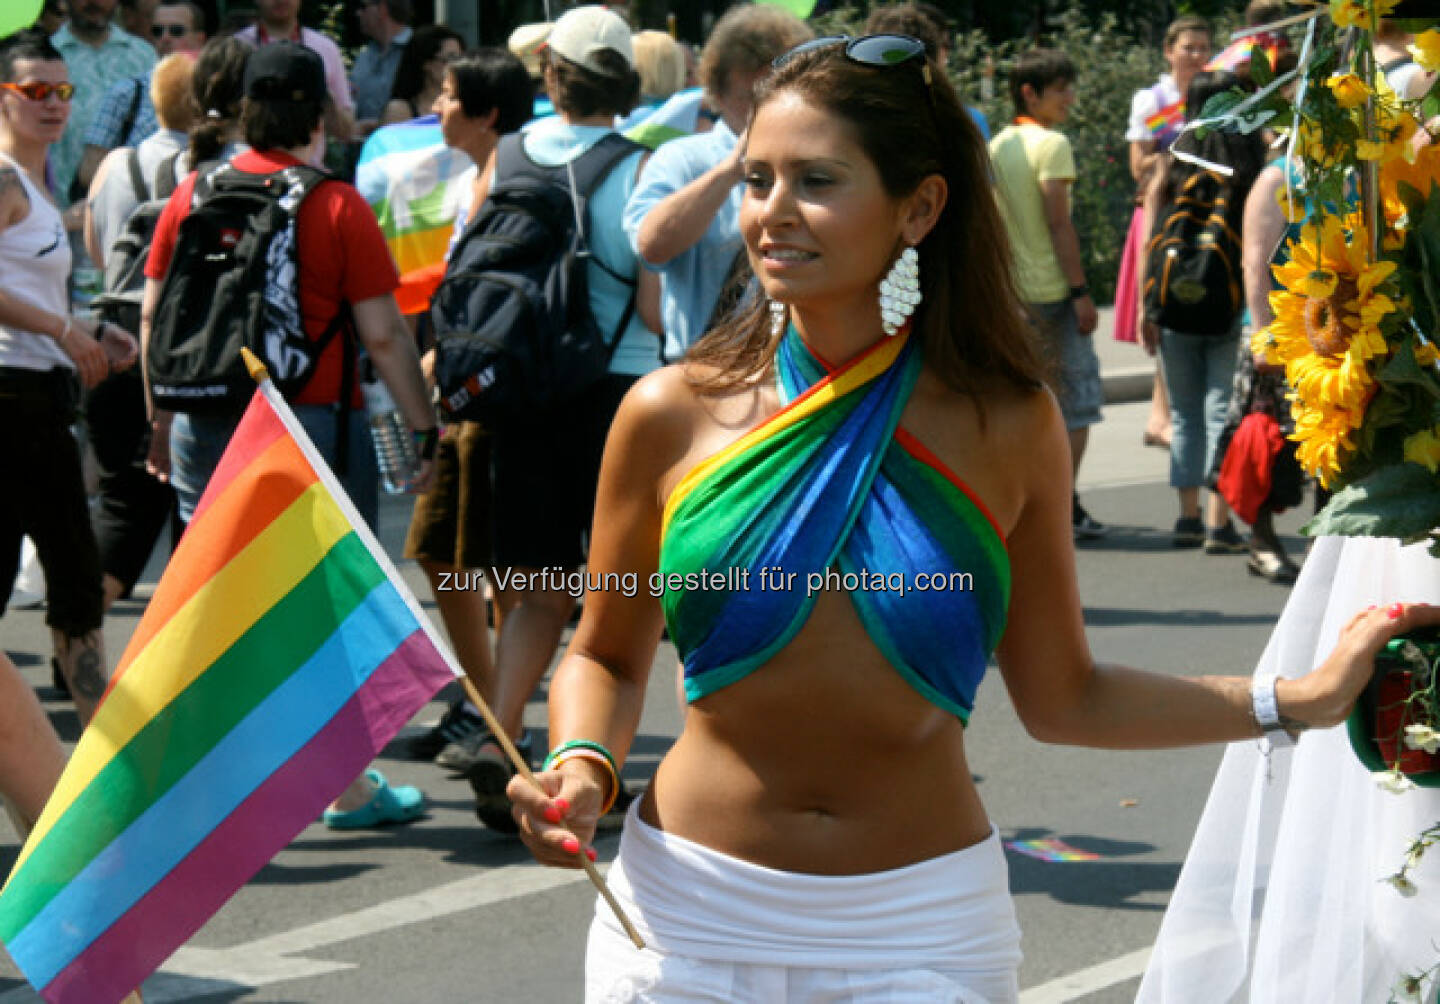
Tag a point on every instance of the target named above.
point(415, 184)
point(280, 653)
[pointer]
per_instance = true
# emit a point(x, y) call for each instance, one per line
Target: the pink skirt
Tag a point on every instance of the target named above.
point(1127, 292)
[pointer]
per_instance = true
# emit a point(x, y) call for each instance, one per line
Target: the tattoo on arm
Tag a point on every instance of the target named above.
point(12, 190)
point(85, 656)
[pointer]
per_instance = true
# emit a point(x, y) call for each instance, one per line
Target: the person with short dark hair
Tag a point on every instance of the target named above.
point(342, 262)
point(126, 116)
point(280, 20)
point(1034, 169)
point(98, 54)
point(421, 72)
point(45, 356)
point(486, 95)
point(387, 24)
point(545, 469)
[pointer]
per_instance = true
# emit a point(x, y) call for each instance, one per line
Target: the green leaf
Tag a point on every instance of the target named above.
point(1398, 501)
point(1402, 369)
point(1260, 69)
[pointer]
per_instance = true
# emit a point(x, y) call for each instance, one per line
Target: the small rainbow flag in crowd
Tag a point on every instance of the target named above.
point(280, 653)
point(1242, 51)
point(1172, 116)
point(415, 184)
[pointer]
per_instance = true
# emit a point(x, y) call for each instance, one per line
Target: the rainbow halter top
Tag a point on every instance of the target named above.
point(832, 484)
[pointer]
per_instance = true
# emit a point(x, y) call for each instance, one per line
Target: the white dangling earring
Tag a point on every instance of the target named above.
point(777, 318)
point(900, 291)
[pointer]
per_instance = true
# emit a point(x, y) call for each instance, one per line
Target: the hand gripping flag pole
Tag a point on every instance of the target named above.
point(262, 377)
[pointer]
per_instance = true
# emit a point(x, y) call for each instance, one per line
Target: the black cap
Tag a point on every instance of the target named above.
point(284, 71)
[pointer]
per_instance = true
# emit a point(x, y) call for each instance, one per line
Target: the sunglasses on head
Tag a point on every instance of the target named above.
point(38, 91)
point(868, 50)
point(173, 30)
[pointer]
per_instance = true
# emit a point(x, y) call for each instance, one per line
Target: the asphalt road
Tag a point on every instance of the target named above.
point(445, 910)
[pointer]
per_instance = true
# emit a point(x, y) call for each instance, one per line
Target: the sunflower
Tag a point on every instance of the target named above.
point(1420, 175)
point(1323, 437)
point(1326, 332)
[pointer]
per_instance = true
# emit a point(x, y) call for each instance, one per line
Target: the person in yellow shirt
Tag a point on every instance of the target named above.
point(1034, 170)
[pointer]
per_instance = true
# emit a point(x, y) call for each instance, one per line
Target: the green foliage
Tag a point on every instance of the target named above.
point(1396, 501)
point(1113, 66)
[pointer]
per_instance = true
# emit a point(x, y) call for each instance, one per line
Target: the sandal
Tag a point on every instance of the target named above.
point(386, 805)
point(1156, 440)
point(1273, 567)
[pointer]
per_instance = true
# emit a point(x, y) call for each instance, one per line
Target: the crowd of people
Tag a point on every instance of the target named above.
point(815, 359)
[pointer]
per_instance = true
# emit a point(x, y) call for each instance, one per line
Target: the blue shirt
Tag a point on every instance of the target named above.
point(92, 71)
point(692, 280)
point(552, 141)
point(373, 74)
point(109, 121)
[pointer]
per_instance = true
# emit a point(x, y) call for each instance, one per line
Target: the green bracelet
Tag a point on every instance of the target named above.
point(582, 744)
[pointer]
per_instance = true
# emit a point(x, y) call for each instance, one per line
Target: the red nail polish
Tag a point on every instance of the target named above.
point(590, 853)
point(551, 814)
point(1396, 609)
point(570, 845)
point(563, 805)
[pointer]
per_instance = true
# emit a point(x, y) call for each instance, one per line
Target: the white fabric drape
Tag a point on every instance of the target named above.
point(1282, 895)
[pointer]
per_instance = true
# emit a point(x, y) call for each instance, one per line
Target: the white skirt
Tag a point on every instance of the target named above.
point(721, 929)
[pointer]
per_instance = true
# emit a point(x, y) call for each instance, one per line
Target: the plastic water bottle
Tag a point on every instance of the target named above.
point(395, 452)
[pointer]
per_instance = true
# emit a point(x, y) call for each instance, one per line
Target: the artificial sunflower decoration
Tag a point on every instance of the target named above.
point(1327, 334)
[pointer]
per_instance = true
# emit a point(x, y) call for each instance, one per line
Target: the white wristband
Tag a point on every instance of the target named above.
point(1267, 711)
point(60, 338)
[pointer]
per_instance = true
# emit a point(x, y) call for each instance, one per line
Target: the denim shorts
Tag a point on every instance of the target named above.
point(1073, 366)
point(197, 441)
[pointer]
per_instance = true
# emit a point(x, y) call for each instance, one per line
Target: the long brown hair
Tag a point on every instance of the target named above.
point(970, 323)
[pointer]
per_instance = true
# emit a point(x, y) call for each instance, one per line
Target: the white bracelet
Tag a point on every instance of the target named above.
point(1267, 710)
point(60, 338)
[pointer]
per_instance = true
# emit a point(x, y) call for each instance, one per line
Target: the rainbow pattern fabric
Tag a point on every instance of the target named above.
point(1167, 120)
point(279, 654)
point(416, 185)
point(832, 483)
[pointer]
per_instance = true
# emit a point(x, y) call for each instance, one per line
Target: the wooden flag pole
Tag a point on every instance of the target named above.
point(522, 767)
point(260, 375)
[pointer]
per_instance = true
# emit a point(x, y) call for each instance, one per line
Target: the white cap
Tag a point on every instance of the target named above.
point(580, 33)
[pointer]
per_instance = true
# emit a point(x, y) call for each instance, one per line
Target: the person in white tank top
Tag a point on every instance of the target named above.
point(42, 351)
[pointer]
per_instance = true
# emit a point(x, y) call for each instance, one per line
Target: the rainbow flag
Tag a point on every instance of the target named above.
point(415, 184)
point(1242, 51)
point(280, 653)
point(1170, 117)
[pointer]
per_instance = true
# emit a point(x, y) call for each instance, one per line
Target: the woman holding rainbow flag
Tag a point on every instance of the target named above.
point(1156, 115)
point(844, 501)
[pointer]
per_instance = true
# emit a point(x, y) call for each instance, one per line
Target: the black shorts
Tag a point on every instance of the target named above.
point(451, 522)
point(44, 498)
point(544, 471)
point(134, 505)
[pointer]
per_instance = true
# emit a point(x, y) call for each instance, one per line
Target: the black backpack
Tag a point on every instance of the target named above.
point(125, 259)
point(513, 327)
point(233, 283)
point(1193, 281)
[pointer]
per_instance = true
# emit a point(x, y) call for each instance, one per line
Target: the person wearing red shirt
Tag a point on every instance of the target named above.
point(342, 259)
